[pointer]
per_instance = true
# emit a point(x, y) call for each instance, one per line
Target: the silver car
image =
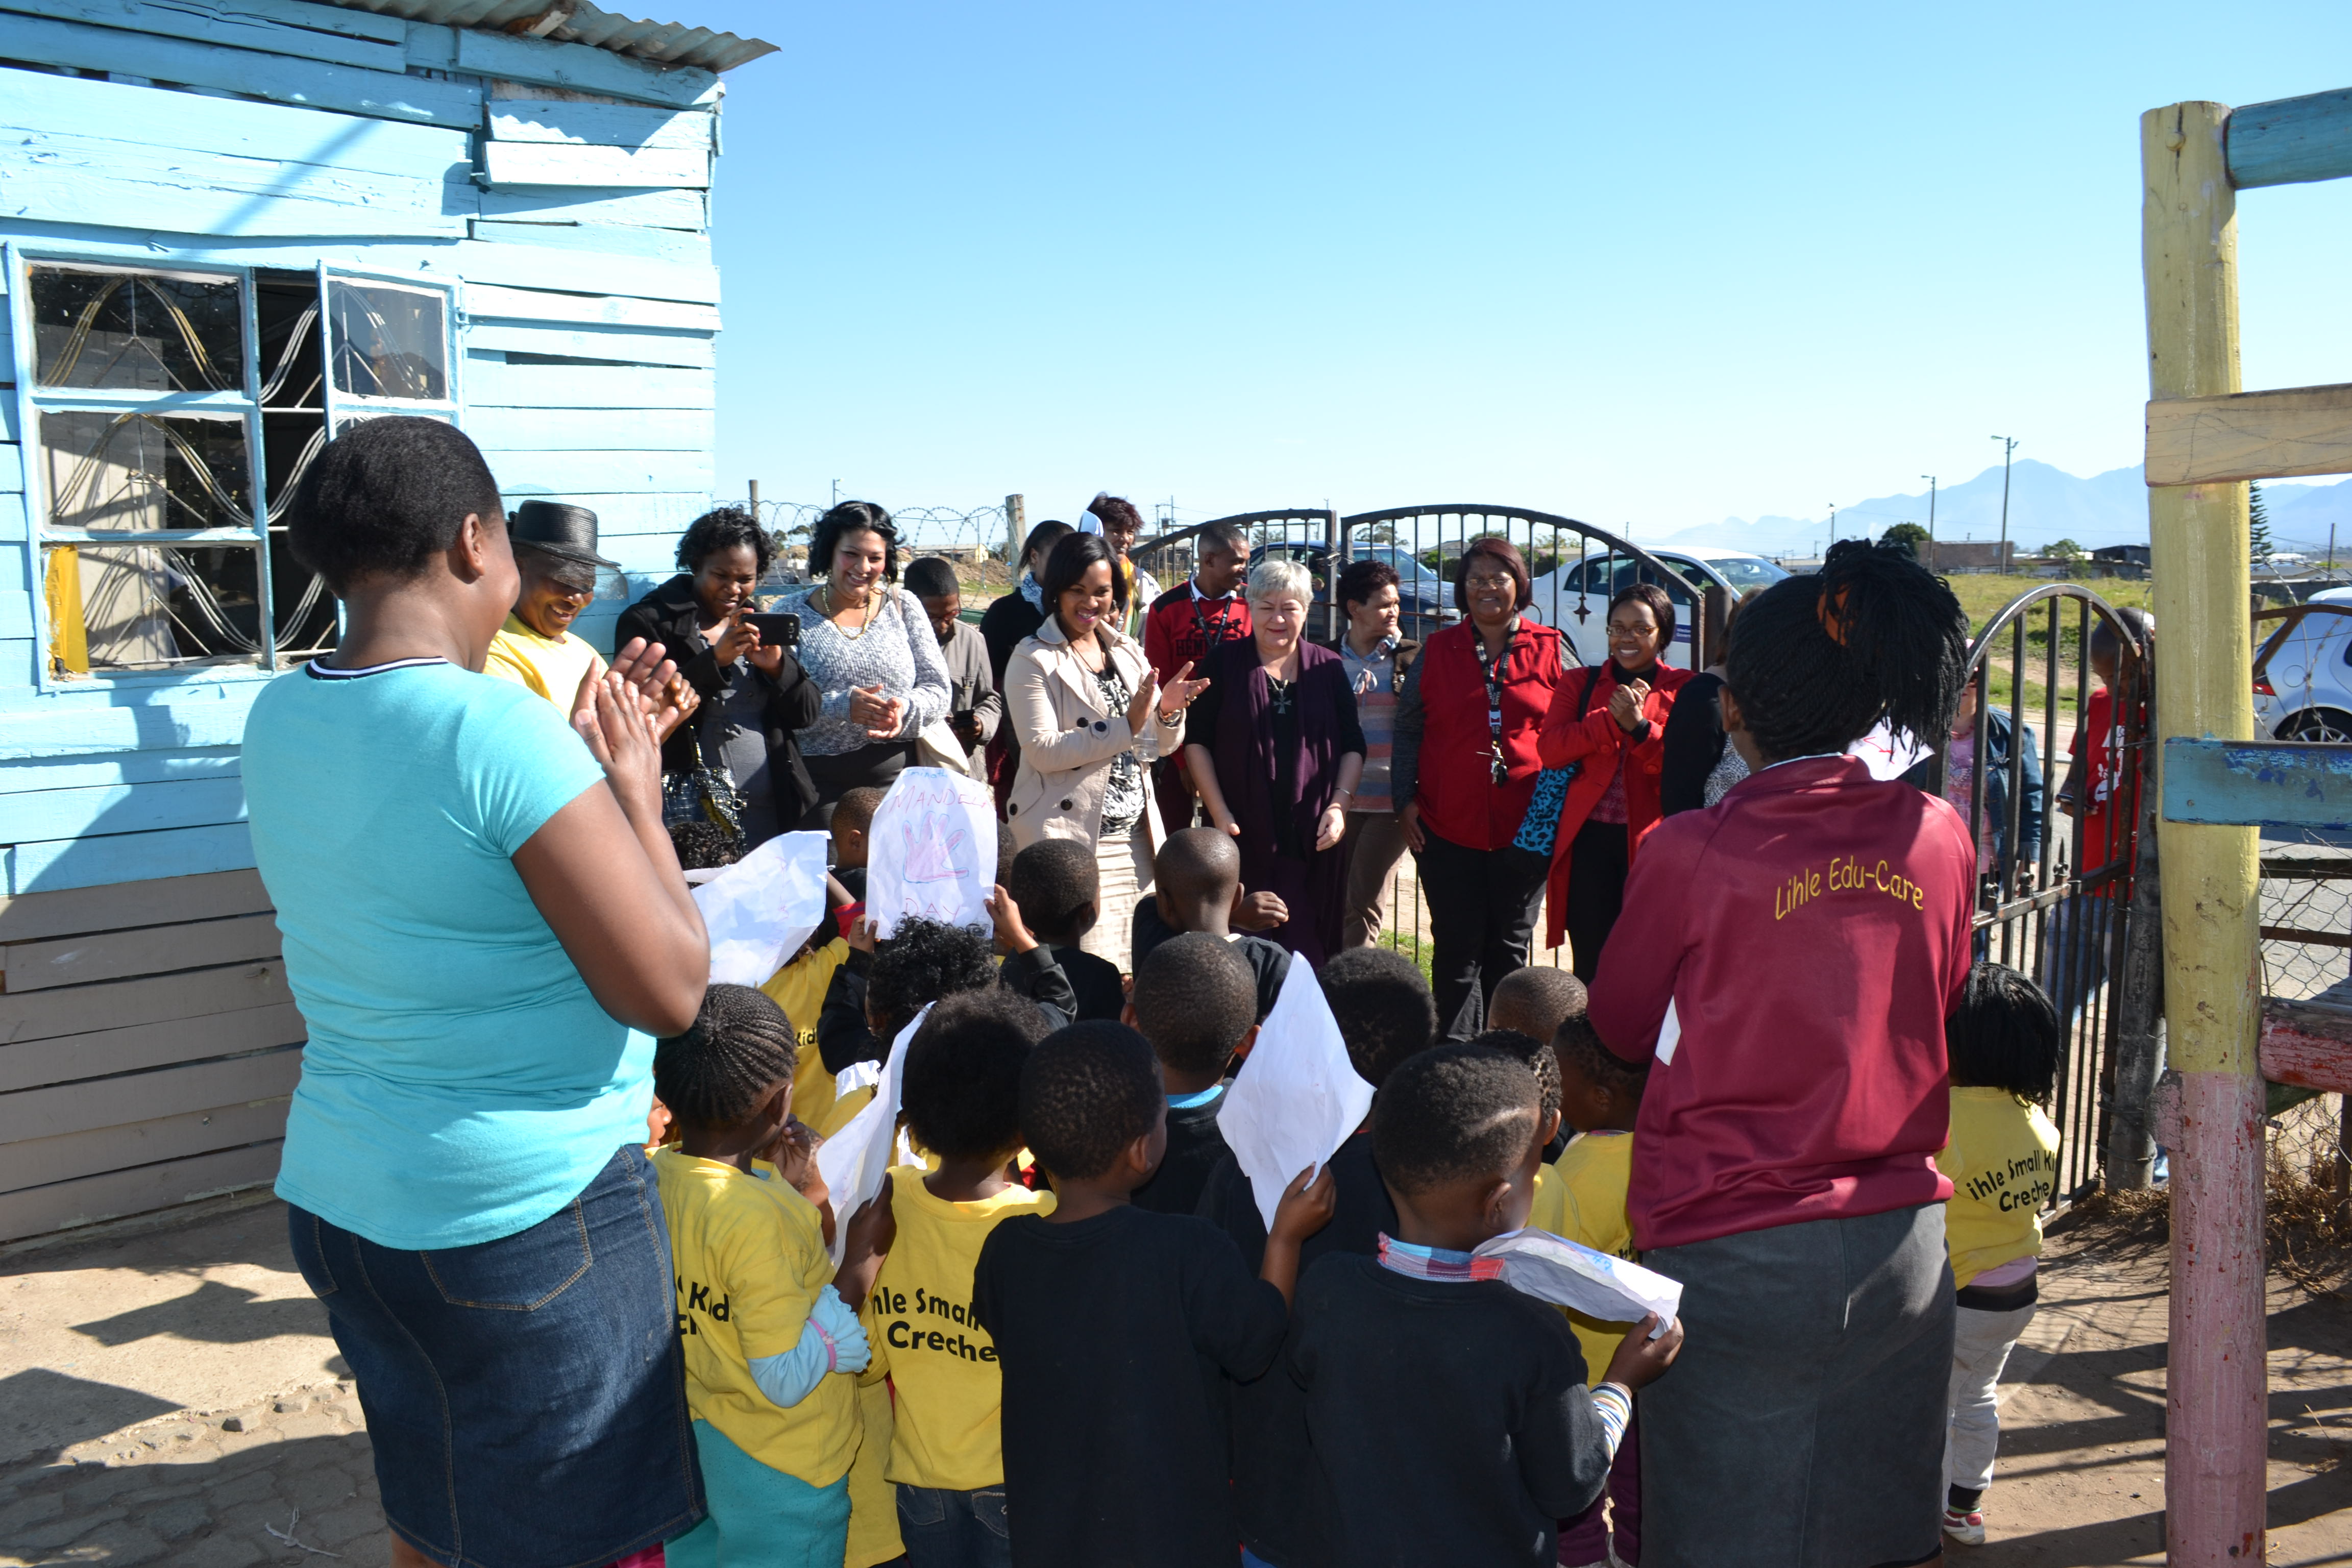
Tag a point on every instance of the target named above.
point(2303, 672)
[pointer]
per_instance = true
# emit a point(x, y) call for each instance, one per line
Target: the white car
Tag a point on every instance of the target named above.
point(2303, 692)
point(1575, 598)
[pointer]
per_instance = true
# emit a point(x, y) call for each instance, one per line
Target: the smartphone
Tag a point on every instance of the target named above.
point(776, 630)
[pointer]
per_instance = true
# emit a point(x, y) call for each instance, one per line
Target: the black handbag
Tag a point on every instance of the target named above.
point(702, 794)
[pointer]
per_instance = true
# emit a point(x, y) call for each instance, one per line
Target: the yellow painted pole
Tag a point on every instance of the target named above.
point(2215, 1446)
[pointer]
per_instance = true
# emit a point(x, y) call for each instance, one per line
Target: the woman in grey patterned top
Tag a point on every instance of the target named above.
point(865, 644)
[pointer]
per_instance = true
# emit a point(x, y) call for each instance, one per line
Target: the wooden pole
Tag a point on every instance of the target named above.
point(1016, 529)
point(2214, 1448)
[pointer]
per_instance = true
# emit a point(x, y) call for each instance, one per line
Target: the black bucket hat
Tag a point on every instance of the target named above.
point(559, 529)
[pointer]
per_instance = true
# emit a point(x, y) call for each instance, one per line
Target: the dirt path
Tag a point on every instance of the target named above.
point(2080, 1478)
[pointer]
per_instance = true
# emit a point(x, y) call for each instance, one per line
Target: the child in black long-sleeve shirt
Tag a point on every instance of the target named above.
point(1113, 1323)
point(1057, 887)
point(1449, 1415)
point(1386, 1016)
point(1196, 1001)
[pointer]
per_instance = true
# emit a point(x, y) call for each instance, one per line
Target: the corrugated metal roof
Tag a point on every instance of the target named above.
point(577, 22)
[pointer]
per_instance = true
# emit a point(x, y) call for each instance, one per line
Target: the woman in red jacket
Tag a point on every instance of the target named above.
point(1462, 769)
point(1782, 968)
point(1610, 722)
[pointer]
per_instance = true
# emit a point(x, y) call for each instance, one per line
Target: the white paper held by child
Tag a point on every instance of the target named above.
point(1298, 1098)
point(759, 910)
point(931, 851)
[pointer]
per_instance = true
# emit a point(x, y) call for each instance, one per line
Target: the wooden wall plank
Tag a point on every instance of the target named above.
point(492, 382)
point(121, 808)
point(39, 1064)
point(143, 1189)
point(12, 505)
point(153, 950)
point(15, 613)
point(40, 1162)
point(143, 767)
point(77, 724)
point(586, 429)
point(2291, 140)
point(150, 999)
point(674, 246)
point(2250, 436)
point(695, 350)
point(582, 69)
point(194, 122)
point(600, 264)
point(2267, 783)
point(56, 176)
point(121, 906)
point(661, 514)
point(142, 1096)
point(489, 299)
point(378, 94)
point(350, 37)
point(55, 863)
point(561, 473)
point(551, 164)
point(571, 122)
point(554, 206)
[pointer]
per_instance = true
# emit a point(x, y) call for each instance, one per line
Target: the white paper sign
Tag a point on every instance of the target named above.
point(931, 851)
point(1888, 755)
point(1297, 1098)
point(856, 1160)
point(1570, 1274)
point(759, 910)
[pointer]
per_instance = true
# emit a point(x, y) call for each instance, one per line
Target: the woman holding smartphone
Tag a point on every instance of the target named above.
point(756, 698)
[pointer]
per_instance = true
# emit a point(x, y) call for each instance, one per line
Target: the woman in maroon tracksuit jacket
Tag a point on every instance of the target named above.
point(1783, 966)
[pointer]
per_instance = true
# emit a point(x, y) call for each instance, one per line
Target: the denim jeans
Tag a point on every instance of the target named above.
point(954, 1529)
point(525, 1397)
point(2074, 955)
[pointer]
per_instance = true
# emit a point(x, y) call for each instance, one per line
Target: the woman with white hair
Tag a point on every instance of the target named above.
point(1276, 750)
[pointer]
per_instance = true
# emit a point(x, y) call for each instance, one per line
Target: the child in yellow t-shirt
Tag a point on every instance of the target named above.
point(771, 1345)
point(2001, 1158)
point(962, 1096)
point(1584, 1199)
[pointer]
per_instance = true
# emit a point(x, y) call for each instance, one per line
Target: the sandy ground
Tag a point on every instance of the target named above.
point(170, 1397)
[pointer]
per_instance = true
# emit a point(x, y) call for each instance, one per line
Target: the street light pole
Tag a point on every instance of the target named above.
point(2001, 561)
point(1931, 519)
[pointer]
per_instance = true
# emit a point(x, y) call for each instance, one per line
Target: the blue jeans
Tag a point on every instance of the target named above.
point(2074, 955)
point(526, 1397)
point(954, 1529)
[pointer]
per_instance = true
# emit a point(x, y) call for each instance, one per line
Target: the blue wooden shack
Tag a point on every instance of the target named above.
point(230, 227)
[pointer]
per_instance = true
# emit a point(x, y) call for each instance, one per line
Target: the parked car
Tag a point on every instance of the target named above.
point(1575, 597)
point(2302, 689)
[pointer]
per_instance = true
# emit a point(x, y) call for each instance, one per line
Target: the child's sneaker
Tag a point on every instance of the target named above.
point(1965, 1526)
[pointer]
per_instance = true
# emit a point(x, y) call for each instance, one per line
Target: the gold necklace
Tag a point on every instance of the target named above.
point(833, 604)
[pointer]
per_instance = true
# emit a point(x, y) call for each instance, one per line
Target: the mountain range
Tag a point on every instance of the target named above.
point(2045, 504)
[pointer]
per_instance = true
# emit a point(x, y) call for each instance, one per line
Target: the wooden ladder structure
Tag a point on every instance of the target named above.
point(2206, 439)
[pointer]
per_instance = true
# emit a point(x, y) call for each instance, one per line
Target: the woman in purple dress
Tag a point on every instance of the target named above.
point(1276, 750)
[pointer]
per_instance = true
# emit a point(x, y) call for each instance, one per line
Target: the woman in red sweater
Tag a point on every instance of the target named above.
point(1783, 966)
point(1610, 722)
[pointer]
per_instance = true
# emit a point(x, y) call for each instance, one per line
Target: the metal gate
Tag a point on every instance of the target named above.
point(2054, 894)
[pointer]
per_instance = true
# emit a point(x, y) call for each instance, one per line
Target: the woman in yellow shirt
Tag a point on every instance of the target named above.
point(555, 553)
point(2001, 1158)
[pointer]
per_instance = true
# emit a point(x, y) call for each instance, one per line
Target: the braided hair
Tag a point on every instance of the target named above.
point(739, 1048)
point(1818, 660)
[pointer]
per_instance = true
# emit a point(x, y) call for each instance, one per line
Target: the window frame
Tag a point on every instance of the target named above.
point(31, 401)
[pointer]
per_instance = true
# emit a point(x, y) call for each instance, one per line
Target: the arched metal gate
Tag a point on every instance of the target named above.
point(2055, 898)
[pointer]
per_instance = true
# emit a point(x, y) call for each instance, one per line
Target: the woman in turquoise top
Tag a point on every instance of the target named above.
point(484, 926)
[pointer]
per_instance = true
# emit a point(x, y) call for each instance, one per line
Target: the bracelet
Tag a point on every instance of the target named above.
point(1169, 720)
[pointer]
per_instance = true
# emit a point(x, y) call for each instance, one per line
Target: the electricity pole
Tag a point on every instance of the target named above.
point(2001, 561)
point(1931, 519)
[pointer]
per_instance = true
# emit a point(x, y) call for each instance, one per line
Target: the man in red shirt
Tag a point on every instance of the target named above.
point(1186, 624)
point(2100, 791)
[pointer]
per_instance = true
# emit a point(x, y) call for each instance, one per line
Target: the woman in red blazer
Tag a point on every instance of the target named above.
point(1610, 721)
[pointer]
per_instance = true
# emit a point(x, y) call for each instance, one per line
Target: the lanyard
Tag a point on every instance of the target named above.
point(1212, 638)
point(1493, 669)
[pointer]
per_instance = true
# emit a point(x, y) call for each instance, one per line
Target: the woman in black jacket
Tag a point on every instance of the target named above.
point(754, 696)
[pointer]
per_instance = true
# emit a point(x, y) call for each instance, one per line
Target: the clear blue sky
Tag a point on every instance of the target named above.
point(1654, 266)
